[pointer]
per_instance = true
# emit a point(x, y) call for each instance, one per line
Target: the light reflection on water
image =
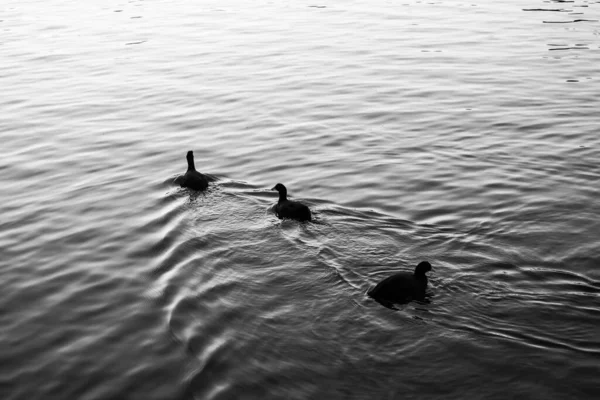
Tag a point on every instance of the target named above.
point(460, 133)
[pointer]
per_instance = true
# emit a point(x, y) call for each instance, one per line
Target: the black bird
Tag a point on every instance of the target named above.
point(403, 286)
point(290, 209)
point(192, 178)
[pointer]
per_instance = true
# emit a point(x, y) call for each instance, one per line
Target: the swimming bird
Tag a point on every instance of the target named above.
point(290, 209)
point(192, 178)
point(403, 286)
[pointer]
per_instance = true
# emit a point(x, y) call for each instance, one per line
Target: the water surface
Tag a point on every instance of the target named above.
point(462, 133)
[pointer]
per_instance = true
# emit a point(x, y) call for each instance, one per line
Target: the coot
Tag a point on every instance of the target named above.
point(403, 286)
point(192, 178)
point(290, 209)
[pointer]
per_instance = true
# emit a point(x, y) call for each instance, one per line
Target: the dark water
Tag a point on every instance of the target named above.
point(465, 134)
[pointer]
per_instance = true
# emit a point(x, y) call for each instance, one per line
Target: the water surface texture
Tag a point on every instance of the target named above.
point(462, 133)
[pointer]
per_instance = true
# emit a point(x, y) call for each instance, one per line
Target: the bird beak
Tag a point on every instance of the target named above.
point(273, 188)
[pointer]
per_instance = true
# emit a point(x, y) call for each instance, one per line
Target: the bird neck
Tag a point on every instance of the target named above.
point(421, 276)
point(190, 160)
point(282, 196)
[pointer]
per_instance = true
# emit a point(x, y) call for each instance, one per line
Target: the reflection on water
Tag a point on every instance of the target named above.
point(582, 13)
point(464, 134)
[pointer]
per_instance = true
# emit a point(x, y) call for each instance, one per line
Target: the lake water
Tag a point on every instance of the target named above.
point(462, 133)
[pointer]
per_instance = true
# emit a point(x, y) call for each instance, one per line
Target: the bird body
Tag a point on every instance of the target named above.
point(403, 286)
point(290, 209)
point(192, 178)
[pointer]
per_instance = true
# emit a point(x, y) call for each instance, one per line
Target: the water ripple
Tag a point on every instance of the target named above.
point(460, 133)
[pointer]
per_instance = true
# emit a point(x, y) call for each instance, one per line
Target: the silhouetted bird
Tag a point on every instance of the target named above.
point(403, 286)
point(192, 178)
point(290, 209)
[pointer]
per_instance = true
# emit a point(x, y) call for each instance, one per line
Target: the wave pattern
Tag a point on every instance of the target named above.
point(460, 133)
point(270, 309)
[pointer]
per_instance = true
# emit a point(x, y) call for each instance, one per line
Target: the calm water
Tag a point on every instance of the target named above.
point(462, 133)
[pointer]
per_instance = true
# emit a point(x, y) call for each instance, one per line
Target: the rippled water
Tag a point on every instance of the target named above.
point(462, 133)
